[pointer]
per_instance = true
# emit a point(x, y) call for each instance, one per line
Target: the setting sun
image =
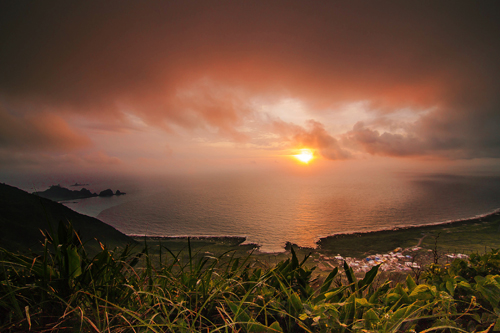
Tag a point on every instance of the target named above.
point(305, 156)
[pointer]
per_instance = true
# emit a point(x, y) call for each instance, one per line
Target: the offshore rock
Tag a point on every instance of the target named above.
point(106, 193)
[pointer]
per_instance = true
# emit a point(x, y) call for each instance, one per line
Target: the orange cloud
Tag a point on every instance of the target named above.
point(100, 158)
point(39, 132)
point(197, 66)
point(315, 137)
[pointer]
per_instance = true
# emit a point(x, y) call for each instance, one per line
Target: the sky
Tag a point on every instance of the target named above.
point(193, 86)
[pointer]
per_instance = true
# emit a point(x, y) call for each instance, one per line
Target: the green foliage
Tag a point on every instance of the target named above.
point(164, 291)
point(475, 286)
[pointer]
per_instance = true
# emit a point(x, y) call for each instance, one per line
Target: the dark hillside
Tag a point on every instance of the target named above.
point(22, 215)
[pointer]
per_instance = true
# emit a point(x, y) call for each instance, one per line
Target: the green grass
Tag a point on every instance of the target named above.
point(466, 237)
point(459, 237)
point(156, 289)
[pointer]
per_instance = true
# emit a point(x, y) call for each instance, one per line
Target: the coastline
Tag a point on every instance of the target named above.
point(466, 235)
point(466, 221)
point(220, 240)
point(359, 244)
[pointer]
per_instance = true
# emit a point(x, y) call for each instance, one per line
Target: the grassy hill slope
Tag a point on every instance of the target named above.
point(22, 215)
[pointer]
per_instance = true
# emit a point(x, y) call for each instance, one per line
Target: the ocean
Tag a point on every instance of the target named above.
point(272, 209)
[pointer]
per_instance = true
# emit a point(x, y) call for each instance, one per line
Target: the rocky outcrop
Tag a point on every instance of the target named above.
point(106, 193)
point(59, 193)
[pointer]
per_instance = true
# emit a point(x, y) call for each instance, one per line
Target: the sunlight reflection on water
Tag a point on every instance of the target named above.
point(272, 210)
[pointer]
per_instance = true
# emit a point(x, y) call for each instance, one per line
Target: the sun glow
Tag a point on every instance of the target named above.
point(305, 156)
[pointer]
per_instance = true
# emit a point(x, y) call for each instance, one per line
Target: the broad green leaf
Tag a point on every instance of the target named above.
point(275, 327)
point(330, 295)
point(256, 327)
point(381, 290)
point(465, 285)
point(422, 292)
point(350, 276)
point(399, 315)
point(350, 309)
point(362, 302)
point(328, 280)
point(392, 298)
point(244, 319)
point(371, 319)
point(410, 283)
point(404, 295)
point(74, 262)
point(296, 303)
point(295, 260)
point(369, 277)
point(239, 314)
point(489, 289)
point(450, 287)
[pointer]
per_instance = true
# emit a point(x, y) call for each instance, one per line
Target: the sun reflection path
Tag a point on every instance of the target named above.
point(305, 155)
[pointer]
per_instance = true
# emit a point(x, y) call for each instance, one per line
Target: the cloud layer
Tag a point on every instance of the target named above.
point(39, 131)
point(200, 66)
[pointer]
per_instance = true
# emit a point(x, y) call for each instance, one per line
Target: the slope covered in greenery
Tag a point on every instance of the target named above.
point(66, 290)
point(72, 284)
point(23, 215)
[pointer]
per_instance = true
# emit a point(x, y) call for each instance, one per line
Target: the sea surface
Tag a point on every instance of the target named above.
point(272, 209)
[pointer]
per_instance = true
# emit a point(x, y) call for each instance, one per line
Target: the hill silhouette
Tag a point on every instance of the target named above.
point(23, 215)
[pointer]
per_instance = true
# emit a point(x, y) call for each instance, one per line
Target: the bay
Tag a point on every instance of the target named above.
point(272, 209)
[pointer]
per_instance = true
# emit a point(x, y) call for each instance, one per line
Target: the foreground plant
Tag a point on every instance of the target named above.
point(66, 289)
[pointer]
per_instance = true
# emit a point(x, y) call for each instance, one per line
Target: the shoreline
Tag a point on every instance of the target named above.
point(400, 250)
point(322, 240)
point(220, 240)
point(464, 221)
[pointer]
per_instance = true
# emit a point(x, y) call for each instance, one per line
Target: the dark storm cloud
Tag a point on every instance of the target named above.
point(90, 57)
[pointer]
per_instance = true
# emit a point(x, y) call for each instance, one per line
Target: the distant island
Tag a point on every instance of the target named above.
point(59, 193)
point(78, 184)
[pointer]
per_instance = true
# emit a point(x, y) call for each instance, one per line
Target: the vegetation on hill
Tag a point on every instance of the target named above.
point(24, 215)
point(55, 279)
point(473, 235)
point(66, 289)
